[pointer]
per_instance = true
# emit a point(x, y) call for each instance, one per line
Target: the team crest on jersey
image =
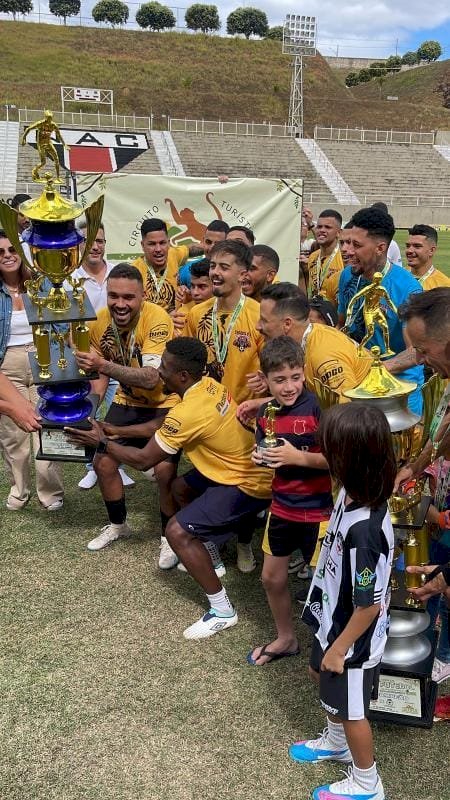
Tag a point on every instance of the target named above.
point(300, 428)
point(365, 578)
point(339, 543)
point(242, 341)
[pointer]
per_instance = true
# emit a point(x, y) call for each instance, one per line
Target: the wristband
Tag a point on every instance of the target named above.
point(101, 447)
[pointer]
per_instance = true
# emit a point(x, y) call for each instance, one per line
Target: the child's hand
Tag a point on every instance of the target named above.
point(286, 455)
point(256, 456)
point(332, 662)
point(246, 412)
point(257, 382)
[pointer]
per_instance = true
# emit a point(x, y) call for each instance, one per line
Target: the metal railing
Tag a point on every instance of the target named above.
point(204, 126)
point(374, 136)
point(90, 120)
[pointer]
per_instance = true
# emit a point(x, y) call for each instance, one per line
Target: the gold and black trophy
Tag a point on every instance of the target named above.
point(54, 243)
point(270, 440)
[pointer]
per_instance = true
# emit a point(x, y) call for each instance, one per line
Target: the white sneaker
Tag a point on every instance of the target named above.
point(348, 787)
point(246, 561)
point(126, 480)
point(89, 480)
point(210, 624)
point(167, 557)
point(55, 506)
point(441, 671)
point(108, 535)
point(219, 569)
point(149, 474)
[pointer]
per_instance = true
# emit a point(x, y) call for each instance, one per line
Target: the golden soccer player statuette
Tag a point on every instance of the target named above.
point(373, 314)
point(270, 441)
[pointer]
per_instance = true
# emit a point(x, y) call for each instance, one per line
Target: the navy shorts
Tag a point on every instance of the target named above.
point(348, 695)
point(218, 512)
point(282, 537)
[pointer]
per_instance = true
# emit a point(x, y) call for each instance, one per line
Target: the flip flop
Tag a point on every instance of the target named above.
point(272, 656)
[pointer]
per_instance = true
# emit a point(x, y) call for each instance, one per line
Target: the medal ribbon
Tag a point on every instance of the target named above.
point(423, 278)
point(157, 282)
point(125, 355)
point(443, 478)
point(221, 351)
point(321, 274)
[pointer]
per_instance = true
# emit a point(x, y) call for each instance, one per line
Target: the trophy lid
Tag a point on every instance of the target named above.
point(51, 206)
point(379, 382)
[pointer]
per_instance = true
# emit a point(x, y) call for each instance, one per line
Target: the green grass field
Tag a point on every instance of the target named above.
point(103, 699)
point(442, 259)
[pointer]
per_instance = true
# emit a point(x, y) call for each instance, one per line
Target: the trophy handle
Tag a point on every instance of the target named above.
point(432, 392)
point(8, 219)
point(93, 215)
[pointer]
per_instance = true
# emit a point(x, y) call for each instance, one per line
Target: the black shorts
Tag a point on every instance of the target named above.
point(346, 696)
point(122, 415)
point(218, 512)
point(282, 537)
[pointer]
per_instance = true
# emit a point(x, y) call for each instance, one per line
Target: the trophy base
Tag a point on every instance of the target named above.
point(406, 694)
point(59, 374)
point(53, 445)
point(263, 448)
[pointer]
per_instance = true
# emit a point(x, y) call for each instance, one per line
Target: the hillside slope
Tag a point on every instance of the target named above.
point(198, 76)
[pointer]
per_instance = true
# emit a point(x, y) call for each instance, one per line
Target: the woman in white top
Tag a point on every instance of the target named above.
point(16, 341)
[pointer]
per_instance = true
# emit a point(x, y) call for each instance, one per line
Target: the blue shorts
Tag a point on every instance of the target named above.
point(219, 512)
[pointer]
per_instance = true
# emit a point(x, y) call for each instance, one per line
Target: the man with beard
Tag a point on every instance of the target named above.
point(325, 264)
point(127, 341)
point(370, 235)
point(420, 251)
point(159, 264)
point(261, 272)
point(220, 494)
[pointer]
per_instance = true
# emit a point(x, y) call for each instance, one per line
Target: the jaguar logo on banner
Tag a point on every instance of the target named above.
point(99, 151)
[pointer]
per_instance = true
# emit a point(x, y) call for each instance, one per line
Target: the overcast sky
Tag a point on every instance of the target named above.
point(366, 28)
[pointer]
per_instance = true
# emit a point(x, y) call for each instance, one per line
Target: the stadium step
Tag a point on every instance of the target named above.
point(329, 174)
point(167, 153)
point(9, 145)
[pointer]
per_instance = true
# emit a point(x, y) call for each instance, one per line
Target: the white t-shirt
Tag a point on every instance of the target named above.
point(394, 255)
point(95, 291)
point(20, 332)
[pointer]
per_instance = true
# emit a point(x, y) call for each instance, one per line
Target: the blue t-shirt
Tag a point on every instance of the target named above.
point(399, 284)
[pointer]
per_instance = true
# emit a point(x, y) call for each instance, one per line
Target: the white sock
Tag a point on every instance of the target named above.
point(336, 734)
point(118, 527)
point(366, 778)
point(220, 602)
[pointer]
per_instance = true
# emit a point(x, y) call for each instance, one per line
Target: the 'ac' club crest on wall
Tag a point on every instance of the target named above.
point(99, 151)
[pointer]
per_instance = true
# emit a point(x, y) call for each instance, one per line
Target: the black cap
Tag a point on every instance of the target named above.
point(325, 309)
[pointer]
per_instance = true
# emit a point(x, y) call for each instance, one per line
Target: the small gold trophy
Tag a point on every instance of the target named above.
point(270, 439)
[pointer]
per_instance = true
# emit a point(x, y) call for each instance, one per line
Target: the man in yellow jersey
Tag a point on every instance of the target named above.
point(330, 356)
point(262, 271)
point(128, 339)
point(325, 264)
point(159, 264)
point(224, 490)
point(227, 322)
point(420, 251)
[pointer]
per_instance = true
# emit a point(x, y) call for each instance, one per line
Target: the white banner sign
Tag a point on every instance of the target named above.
point(271, 208)
point(80, 93)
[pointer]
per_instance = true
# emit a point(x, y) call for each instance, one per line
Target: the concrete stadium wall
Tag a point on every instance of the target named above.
point(404, 216)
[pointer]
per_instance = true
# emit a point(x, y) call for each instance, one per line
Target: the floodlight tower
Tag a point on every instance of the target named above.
point(299, 40)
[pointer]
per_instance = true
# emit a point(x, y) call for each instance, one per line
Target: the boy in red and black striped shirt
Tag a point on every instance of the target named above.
point(301, 487)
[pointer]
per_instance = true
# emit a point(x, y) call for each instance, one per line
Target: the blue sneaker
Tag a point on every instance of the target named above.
point(347, 789)
point(314, 750)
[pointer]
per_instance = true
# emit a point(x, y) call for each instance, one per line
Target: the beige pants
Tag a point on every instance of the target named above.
point(16, 445)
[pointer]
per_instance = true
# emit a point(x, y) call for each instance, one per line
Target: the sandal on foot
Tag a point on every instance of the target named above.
point(271, 656)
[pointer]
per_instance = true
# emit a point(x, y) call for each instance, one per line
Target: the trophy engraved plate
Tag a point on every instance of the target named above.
point(54, 444)
point(398, 695)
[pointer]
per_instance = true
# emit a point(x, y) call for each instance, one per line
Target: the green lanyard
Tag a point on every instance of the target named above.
point(322, 274)
point(158, 283)
point(423, 278)
point(221, 350)
point(125, 354)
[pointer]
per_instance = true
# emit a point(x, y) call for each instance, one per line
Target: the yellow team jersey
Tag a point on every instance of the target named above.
point(165, 295)
point(153, 330)
point(327, 283)
point(434, 280)
point(244, 345)
point(333, 358)
point(205, 426)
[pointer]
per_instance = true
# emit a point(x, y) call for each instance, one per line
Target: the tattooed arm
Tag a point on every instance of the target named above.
point(145, 377)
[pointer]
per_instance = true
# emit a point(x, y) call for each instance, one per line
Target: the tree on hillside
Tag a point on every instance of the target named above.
point(393, 64)
point(410, 57)
point(112, 11)
point(352, 79)
point(202, 18)
point(275, 33)
point(155, 16)
point(429, 51)
point(247, 21)
point(377, 68)
point(365, 75)
point(15, 7)
point(64, 8)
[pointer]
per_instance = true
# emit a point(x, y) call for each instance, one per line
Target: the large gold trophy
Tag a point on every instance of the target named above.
point(406, 694)
point(54, 243)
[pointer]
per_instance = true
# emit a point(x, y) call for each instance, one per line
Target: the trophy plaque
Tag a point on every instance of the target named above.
point(54, 243)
